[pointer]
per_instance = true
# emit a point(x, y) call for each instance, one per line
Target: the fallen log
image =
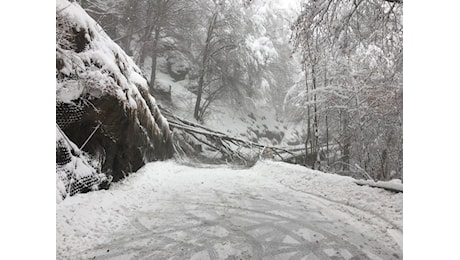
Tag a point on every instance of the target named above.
point(390, 186)
point(190, 127)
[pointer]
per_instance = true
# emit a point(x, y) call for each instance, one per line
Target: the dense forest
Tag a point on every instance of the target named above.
point(331, 70)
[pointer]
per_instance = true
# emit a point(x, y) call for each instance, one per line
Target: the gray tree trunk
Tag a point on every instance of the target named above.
point(196, 113)
point(154, 58)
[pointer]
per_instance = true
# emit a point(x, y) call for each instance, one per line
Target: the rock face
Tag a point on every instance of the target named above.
point(102, 100)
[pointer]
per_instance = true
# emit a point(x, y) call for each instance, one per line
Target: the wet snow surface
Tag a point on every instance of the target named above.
point(271, 211)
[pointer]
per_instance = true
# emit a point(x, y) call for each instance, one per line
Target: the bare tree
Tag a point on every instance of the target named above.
point(357, 46)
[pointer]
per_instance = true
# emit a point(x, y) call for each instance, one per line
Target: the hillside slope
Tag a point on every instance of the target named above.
point(248, 120)
point(102, 100)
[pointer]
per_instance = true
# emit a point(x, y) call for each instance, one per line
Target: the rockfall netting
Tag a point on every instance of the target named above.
point(67, 113)
point(106, 121)
point(76, 172)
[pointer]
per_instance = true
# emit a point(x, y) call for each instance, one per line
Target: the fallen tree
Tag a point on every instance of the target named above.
point(390, 186)
point(194, 139)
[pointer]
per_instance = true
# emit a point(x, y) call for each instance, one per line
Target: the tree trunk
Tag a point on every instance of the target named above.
point(327, 141)
point(151, 21)
point(308, 116)
point(154, 58)
point(315, 119)
point(196, 113)
point(127, 42)
point(346, 143)
point(327, 125)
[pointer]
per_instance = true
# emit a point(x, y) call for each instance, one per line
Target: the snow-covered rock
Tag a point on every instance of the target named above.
point(103, 99)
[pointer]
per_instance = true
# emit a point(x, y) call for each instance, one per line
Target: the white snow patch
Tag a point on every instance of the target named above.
point(262, 49)
point(202, 255)
point(290, 240)
point(87, 220)
point(107, 65)
point(343, 189)
point(309, 235)
point(397, 236)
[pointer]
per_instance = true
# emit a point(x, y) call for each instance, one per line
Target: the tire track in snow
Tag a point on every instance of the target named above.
point(374, 214)
point(277, 224)
point(281, 227)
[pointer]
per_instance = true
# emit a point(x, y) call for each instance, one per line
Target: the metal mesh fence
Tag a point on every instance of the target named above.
point(76, 172)
point(67, 113)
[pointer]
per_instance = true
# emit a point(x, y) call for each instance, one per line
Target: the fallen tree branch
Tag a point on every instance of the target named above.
point(229, 146)
point(394, 187)
point(208, 132)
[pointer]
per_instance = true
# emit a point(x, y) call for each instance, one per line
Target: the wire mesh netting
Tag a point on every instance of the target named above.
point(76, 172)
point(67, 113)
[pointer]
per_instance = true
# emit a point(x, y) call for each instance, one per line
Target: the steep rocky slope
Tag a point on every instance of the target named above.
point(102, 102)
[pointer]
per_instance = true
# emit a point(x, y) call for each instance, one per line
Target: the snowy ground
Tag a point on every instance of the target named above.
point(271, 211)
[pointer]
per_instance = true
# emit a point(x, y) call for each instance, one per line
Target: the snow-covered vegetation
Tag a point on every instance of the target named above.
point(233, 94)
point(325, 74)
point(352, 57)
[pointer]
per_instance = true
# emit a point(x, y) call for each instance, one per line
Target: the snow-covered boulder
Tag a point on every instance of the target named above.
point(178, 66)
point(102, 99)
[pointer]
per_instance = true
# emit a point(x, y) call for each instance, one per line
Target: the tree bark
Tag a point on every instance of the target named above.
point(315, 119)
point(327, 141)
point(199, 94)
point(154, 57)
point(130, 9)
point(346, 143)
point(308, 116)
point(196, 113)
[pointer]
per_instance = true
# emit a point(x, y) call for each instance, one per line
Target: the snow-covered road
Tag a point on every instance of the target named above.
point(172, 211)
